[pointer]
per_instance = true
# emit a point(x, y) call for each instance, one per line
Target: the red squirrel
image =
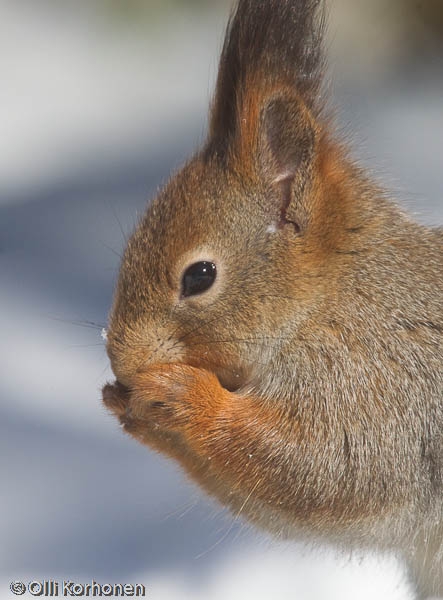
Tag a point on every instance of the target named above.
point(277, 326)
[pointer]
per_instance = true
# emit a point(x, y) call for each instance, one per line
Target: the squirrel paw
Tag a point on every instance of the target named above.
point(165, 398)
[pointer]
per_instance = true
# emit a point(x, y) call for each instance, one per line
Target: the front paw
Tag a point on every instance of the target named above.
point(170, 398)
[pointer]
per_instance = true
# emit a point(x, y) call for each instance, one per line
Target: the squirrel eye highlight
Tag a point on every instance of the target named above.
point(198, 278)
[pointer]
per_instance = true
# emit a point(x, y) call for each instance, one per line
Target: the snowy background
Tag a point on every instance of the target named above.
point(97, 106)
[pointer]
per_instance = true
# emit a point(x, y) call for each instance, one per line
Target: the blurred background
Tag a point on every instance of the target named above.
point(99, 101)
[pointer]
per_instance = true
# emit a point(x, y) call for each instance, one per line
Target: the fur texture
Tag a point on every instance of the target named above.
point(305, 387)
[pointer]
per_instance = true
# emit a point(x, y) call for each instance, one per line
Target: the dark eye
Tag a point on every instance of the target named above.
point(198, 278)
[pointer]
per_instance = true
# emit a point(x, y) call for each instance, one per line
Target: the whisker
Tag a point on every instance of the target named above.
point(107, 367)
point(179, 512)
point(86, 324)
point(125, 239)
point(231, 526)
point(178, 326)
point(203, 324)
point(85, 345)
point(112, 250)
point(241, 341)
point(219, 365)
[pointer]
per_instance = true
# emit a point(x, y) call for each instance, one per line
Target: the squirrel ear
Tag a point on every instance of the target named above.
point(287, 139)
point(287, 143)
point(267, 97)
point(269, 45)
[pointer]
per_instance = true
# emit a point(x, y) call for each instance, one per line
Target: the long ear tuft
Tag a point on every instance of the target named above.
point(270, 45)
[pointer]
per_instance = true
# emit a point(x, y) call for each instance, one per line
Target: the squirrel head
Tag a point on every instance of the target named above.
point(241, 234)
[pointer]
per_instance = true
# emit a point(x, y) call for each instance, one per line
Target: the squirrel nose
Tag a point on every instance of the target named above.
point(121, 368)
point(126, 359)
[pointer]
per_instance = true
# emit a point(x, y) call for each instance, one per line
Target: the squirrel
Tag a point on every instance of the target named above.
point(277, 325)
